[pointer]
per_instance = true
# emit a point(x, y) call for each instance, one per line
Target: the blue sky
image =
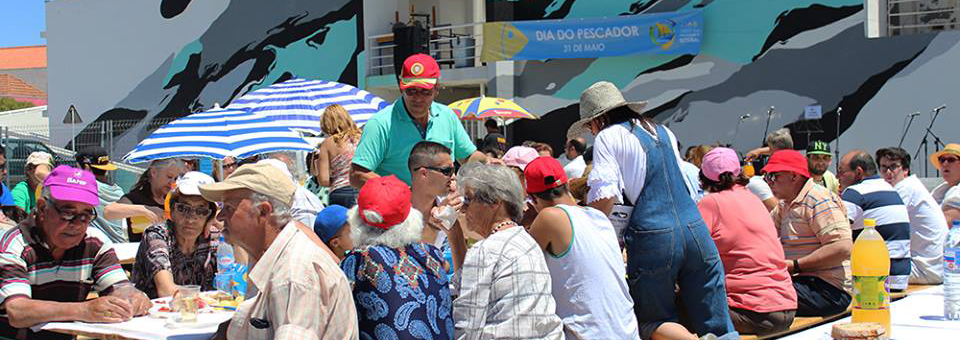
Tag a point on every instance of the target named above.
point(21, 22)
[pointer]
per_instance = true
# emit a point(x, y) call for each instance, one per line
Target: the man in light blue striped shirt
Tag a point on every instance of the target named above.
point(867, 195)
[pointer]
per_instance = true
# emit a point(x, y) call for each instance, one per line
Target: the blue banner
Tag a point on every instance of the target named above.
point(662, 33)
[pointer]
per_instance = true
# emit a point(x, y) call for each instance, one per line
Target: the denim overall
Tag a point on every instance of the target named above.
point(668, 243)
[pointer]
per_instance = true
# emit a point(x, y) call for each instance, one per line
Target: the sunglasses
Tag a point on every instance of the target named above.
point(944, 160)
point(188, 210)
point(771, 177)
point(73, 216)
point(446, 171)
point(230, 165)
point(413, 92)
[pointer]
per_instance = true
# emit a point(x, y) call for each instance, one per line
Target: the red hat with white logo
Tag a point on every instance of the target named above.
point(419, 70)
point(67, 183)
point(384, 202)
point(544, 173)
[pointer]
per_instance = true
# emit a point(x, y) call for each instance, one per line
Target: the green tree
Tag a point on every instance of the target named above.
point(7, 104)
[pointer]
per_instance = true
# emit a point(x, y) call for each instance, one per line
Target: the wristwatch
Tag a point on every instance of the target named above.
point(796, 266)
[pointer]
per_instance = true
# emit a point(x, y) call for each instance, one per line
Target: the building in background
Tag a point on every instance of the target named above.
point(23, 74)
point(149, 61)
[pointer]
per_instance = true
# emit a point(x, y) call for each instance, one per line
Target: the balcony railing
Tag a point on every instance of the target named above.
point(453, 46)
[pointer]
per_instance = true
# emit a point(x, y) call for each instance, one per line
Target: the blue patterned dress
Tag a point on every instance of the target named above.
point(401, 293)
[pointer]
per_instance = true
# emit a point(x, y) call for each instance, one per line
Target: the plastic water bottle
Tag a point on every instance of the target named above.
point(225, 265)
point(951, 273)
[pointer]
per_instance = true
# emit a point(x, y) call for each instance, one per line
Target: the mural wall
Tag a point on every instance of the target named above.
point(151, 61)
point(756, 54)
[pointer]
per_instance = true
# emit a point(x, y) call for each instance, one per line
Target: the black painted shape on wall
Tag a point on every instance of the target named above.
point(551, 128)
point(505, 10)
point(852, 104)
point(677, 62)
point(796, 21)
point(173, 8)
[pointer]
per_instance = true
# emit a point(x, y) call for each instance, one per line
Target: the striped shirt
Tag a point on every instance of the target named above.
point(876, 199)
point(28, 269)
point(814, 219)
point(505, 290)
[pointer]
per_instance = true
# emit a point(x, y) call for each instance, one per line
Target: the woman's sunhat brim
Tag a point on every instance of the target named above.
point(950, 149)
point(580, 127)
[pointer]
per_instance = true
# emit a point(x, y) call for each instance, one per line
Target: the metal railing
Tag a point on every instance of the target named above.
point(20, 140)
point(453, 46)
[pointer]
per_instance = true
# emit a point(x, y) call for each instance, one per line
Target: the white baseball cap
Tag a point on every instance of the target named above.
point(189, 183)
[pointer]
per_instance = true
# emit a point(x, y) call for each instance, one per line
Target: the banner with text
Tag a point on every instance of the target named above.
point(662, 33)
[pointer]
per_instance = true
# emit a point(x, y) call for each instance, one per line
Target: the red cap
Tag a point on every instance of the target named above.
point(544, 173)
point(787, 160)
point(419, 70)
point(384, 202)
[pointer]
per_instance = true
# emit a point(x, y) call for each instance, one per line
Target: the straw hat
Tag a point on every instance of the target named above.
point(598, 99)
point(952, 149)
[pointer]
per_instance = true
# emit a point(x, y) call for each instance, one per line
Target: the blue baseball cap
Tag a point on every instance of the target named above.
point(329, 221)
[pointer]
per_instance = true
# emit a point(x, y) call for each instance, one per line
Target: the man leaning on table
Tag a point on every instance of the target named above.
point(301, 291)
point(50, 262)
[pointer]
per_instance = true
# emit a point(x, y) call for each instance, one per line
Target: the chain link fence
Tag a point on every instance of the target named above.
point(20, 140)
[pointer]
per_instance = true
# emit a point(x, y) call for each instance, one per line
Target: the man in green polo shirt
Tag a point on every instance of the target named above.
point(389, 136)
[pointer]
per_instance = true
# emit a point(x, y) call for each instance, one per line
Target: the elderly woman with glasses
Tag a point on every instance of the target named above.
point(503, 281)
point(183, 250)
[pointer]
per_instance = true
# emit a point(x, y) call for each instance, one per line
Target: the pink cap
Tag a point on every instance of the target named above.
point(67, 183)
point(519, 156)
point(718, 161)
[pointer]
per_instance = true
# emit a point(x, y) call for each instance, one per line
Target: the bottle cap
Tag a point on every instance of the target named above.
point(869, 222)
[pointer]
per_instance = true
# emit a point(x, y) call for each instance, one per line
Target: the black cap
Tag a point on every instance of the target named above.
point(96, 157)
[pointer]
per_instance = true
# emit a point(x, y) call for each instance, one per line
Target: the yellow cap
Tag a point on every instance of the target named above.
point(869, 222)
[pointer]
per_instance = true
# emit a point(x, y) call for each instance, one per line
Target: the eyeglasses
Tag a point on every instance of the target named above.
point(944, 160)
point(891, 167)
point(188, 210)
point(230, 165)
point(73, 216)
point(446, 171)
point(413, 92)
point(466, 202)
point(771, 177)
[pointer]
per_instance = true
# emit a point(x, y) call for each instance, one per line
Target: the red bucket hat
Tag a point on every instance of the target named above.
point(787, 160)
point(419, 70)
point(384, 202)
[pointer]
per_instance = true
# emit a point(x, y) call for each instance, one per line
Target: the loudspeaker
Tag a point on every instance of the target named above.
point(409, 40)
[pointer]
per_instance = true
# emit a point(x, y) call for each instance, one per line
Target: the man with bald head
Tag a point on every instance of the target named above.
point(574, 152)
point(867, 195)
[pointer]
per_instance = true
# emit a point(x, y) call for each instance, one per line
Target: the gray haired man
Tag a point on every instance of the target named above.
point(291, 262)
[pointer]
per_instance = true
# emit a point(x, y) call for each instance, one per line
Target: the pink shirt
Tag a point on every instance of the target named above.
point(753, 260)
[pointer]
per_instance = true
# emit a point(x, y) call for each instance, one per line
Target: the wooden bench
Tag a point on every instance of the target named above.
point(802, 323)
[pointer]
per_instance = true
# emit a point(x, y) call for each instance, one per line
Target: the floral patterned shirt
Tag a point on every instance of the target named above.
point(401, 293)
point(159, 251)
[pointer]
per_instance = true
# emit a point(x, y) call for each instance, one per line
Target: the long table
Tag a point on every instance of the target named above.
point(141, 328)
point(917, 316)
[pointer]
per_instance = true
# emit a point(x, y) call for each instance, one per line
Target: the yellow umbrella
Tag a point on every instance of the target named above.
point(480, 108)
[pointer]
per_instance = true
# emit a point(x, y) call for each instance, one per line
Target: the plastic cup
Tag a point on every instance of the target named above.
point(447, 216)
point(138, 224)
point(189, 302)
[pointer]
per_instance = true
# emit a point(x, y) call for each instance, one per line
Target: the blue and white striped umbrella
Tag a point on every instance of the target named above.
point(218, 133)
point(299, 103)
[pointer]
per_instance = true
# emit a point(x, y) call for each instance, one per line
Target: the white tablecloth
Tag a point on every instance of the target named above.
point(145, 327)
point(917, 316)
point(126, 252)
